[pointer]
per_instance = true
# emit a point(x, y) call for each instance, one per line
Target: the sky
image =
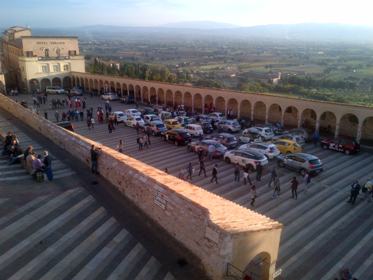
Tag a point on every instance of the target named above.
point(68, 13)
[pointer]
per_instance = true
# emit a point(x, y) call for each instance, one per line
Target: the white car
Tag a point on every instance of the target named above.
point(229, 126)
point(164, 115)
point(55, 89)
point(194, 130)
point(132, 112)
point(269, 150)
point(151, 118)
point(133, 121)
point(109, 96)
point(247, 159)
point(265, 132)
point(121, 117)
point(248, 137)
point(217, 116)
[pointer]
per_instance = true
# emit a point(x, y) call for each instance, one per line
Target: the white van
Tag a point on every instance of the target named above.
point(194, 130)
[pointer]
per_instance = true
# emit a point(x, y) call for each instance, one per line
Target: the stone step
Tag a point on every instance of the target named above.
point(123, 270)
point(79, 255)
point(23, 223)
point(149, 270)
point(97, 264)
point(30, 270)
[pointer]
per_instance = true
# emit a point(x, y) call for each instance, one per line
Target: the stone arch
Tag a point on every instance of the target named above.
point(56, 82)
point(169, 98)
point(367, 131)
point(245, 109)
point(118, 89)
point(86, 84)
point(34, 85)
point(220, 104)
point(145, 95)
point(45, 83)
point(259, 267)
point(188, 103)
point(274, 113)
point(232, 108)
point(131, 92)
point(153, 95)
point(138, 93)
point(208, 104)
point(197, 102)
point(328, 122)
point(308, 119)
point(260, 112)
point(348, 125)
point(291, 117)
point(178, 98)
point(91, 84)
point(161, 97)
point(66, 83)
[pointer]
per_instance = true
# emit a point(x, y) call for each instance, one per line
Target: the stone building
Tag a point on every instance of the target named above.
point(2, 80)
point(36, 62)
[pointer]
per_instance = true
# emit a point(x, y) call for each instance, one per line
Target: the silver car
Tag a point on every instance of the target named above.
point(301, 162)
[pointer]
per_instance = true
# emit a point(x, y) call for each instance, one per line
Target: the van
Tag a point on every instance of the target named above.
point(194, 129)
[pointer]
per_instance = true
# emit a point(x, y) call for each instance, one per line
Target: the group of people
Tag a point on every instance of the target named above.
point(366, 189)
point(36, 165)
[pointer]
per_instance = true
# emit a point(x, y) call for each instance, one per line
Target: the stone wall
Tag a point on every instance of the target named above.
point(216, 230)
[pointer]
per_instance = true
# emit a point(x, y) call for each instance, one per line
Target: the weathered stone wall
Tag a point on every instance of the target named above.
point(216, 230)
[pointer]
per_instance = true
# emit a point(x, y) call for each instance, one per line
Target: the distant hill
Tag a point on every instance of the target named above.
point(308, 32)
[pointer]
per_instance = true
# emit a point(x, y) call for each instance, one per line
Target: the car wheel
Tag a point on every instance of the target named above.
point(347, 152)
point(227, 160)
point(324, 147)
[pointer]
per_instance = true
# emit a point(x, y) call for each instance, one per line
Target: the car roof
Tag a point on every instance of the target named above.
point(226, 134)
point(305, 155)
point(249, 151)
point(287, 140)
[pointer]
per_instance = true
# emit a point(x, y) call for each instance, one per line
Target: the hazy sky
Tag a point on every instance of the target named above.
point(39, 13)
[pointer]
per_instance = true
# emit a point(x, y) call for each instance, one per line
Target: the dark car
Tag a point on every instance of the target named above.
point(147, 111)
point(66, 125)
point(178, 136)
point(218, 149)
point(207, 127)
point(127, 99)
point(347, 146)
point(300, 162)
point(227, 139)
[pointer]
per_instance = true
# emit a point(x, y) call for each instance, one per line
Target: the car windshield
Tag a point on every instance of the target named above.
point(314, 161)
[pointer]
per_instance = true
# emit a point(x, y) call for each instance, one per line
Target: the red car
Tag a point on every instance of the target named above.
point(346, 146)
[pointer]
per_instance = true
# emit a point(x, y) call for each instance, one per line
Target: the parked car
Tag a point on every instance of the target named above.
point(265, 132)
point(229, 126)
point(301, 163)
point(204, 118)
point(121, 117)
point(216, 116)
point(183, 120)
point(55, 89)
point(269, 150)
point(219, 149)
point(172, 123)
point(127, 99)
point(301, 132)
point(76, 91)
point(207, 127)
point(245, 158)
point(147, 111)
point(347, 146)
point(156, 128)
point(109, 96)
point(164, 115)
point(179, 136)
point(133, 121)
point(227, 139)
point(249, 136)
point(287, 146)
point(151, 118)
point(66, 125)
point(194, 130)
point(132, 112)
point(296, 138)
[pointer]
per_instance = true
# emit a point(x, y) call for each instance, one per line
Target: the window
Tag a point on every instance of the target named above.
point(58, 52)
point(72, 53)
point(29, 53)
point(45, 68)
point(56, 68)
point(46, 52)
point(66, 67)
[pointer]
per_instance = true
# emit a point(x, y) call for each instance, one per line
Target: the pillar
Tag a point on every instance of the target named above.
point(336, 130)
point(317, 126)
point(359, 131)
point(192, 104)
point(267, 115)
point(299, 122)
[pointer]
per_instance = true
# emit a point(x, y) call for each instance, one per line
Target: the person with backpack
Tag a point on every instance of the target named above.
point(355, 190)
point(214, 174)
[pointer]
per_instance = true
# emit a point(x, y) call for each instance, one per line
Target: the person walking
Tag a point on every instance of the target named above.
point(253, 195)
point(109, 127)
point(202, 167)
point(355, 190)
point(47, 163)
point(214, 174)
point(57, 116)
point(294, 188)
point(246, 176)
point(259, 170)
point(94, 159)
point(315, 138)
point(190, 171)
point(211, 151)
point(89, 124)
point(92, 123)
point(237, 173)
point(273, 177)
point(120, 146)
point(141, 143)
point(277, 189)
point(307, 181)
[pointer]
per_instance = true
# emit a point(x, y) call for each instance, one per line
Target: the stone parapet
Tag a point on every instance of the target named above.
point(214, 229)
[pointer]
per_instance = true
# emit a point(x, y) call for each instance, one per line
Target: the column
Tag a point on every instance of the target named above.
point(299, 122)
point(336, 130)
point(267, 115)
point(282, 118)
point(252, 114)
point(317, 127)
point(192, 104)
point(238, 111)
point(359, 131)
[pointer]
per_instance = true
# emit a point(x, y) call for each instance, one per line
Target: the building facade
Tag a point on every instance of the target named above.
point(32, 63)
point(2, 80)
